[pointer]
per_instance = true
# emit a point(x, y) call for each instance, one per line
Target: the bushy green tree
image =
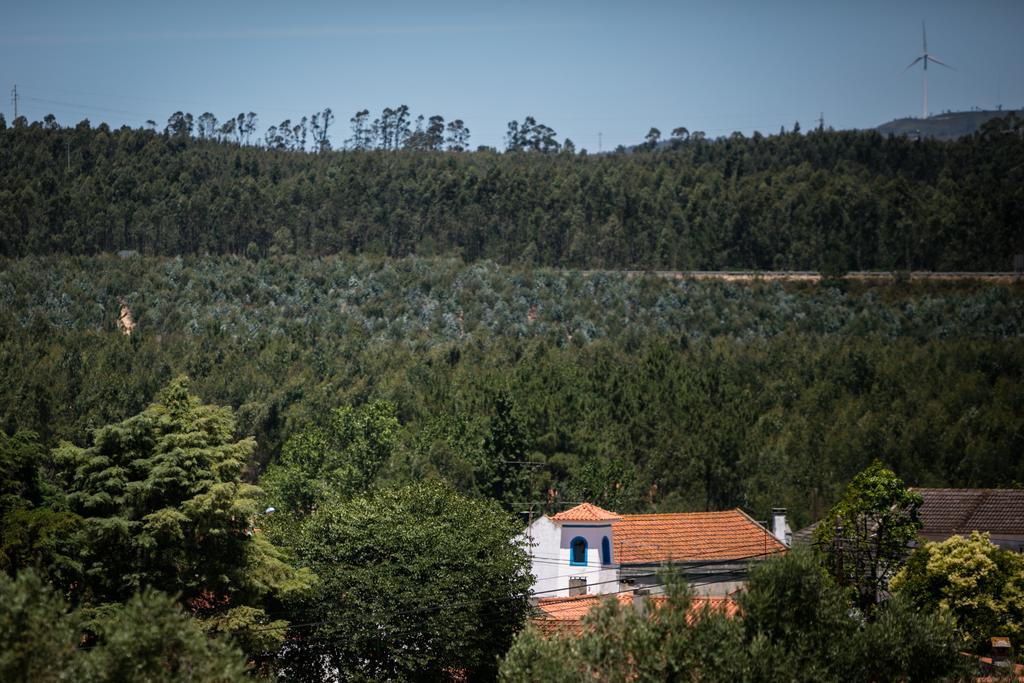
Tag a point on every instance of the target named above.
point(904, 643)
point(415, 582)
point(148, 638)
point(797, 620)
point(866, 534)
point(20, 481)
point(162, 506)
point(339, 459)
point(978, 584)
point(35, 529)
point(38, 636)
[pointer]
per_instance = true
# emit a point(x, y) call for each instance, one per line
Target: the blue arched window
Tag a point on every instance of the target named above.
point(606, 551)
point(578, 552)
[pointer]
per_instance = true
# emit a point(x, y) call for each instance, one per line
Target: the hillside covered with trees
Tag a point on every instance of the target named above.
point(638, 393)
point(824, 200)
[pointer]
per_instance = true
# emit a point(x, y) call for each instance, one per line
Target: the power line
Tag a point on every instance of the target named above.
point(692, 584)
point(746, 545)
point(413, 629)
point(86, 106)
point(478, 603)
point(175, 103)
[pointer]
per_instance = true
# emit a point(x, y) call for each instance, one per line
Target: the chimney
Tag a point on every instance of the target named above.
point(640, 601)
point(780, 529)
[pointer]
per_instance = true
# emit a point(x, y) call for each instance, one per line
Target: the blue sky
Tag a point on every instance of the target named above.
point(583, 68)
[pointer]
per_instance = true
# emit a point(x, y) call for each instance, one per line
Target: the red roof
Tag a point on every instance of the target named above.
point(687, 536)
point(585, 512)
point(564, 614)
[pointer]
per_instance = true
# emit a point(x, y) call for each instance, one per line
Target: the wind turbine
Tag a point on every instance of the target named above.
point(925, 57)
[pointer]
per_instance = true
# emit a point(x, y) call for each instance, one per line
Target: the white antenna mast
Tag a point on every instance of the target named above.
point(925, 58)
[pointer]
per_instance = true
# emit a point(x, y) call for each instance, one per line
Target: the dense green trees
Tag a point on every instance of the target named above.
point(163, 506)
point(640, 392)
point(828, 200)
point(148, 638)
point(337, 461)
point(409, 582)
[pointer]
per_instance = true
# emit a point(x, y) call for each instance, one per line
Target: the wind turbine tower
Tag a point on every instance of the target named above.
point(925, 58)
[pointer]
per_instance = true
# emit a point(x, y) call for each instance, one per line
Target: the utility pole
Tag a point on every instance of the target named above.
point(838, 546)
point(14, 99)
point(599, 143)
point(529, 531)
point(821, 121)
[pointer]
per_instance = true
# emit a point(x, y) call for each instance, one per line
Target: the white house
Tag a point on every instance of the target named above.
point(590, 551)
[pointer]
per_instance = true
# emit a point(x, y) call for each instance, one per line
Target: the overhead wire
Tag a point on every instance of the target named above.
point(84, 106)
point(477, 603)
point(175, 103)
point(535, 610)
point(725, 548)
point(84, 109)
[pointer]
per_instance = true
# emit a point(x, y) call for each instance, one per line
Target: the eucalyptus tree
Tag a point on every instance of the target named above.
point(652, 138)
point(179, 124)
point(457, 136)
point(320, 124)
point(362, 131)
point(207, 126)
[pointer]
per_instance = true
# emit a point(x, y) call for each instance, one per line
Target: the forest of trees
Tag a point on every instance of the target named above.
point(639, 393)
point(825, 200)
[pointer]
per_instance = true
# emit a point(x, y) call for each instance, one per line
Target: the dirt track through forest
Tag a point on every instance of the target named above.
point(880, 277)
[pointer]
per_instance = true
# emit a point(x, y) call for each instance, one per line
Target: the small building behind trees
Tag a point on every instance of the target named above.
point(958, 512)
point(587, 550)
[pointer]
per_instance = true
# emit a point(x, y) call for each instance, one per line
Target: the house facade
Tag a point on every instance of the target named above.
point(590, 551)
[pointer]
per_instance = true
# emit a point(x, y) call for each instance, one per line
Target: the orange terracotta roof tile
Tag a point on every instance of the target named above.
point(691, 536)
point(585, 512)
point(564, 615)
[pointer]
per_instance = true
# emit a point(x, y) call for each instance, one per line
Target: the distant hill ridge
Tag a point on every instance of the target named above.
point(947, 126)
point(830, 201)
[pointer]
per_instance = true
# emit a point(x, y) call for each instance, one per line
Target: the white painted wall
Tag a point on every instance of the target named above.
point(551, 555)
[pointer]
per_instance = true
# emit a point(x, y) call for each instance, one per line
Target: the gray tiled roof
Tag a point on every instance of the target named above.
point(959, 511)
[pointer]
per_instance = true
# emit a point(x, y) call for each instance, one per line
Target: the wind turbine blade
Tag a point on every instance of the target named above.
point(924, 37)
point(932, 59)
point(913, 63)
